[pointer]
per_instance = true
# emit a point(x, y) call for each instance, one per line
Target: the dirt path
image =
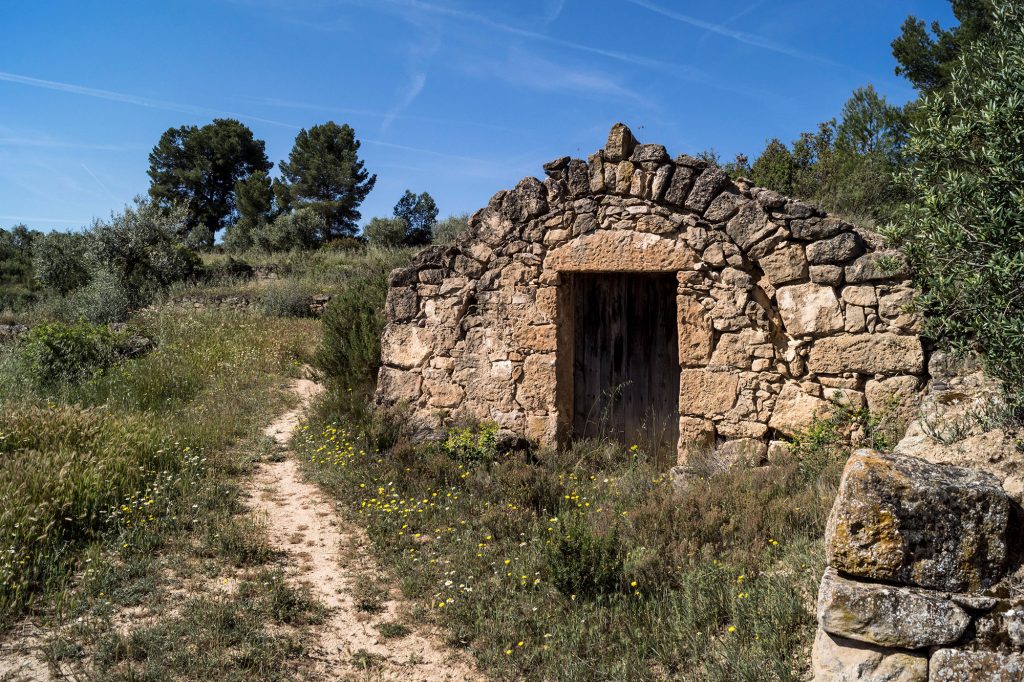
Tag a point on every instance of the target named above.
point(331, 557)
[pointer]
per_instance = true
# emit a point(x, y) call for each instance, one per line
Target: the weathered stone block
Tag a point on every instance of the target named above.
point(809, 309)
point(958, 665)
point(878, 266)
point(620, 144)
point(837, 659)
point(405, 346)
point(396, 385)
point(867, 354)
point(695, 333)
point(888, 615)
point(401, 304)
point(903, 519)
point(750, 225)
point(703, 392)
point(838, 249)
point(795, 410)
point(784, 265)
point(705, 188)
point(832, 275)
point(895, 398)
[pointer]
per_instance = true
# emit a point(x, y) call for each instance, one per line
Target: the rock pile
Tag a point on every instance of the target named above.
point(917, 586)
point(783, 311)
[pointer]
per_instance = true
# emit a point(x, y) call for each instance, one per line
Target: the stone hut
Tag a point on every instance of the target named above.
point(653, 301)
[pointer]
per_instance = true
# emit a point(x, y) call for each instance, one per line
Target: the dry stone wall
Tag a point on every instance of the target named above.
point(783, 311)
point(923, 578)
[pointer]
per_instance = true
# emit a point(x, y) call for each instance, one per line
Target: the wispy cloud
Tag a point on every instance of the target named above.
point(134, 100)
point(482, 20)
point(47, 143)
point(552, 10)
point(37, 219)
point(418, 59)
point(531, 71)
point(739, 36)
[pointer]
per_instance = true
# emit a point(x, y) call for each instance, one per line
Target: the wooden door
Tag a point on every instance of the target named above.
point(626, 360)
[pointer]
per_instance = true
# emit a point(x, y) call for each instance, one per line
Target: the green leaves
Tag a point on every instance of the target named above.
point(963, 228)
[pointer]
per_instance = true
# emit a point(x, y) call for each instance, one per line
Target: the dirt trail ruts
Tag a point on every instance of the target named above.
point(329, 556)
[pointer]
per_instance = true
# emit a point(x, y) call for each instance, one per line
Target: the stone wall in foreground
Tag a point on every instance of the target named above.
point(919, 584)
point(783, 311)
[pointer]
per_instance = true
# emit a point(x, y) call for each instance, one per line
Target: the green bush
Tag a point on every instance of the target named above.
point(349, 353)
point(587, 564)
point(385, 231)
point(303, 228)
point(286, 298)
point(54, 354)
point(472, 444)
point(451, 229)
point(963, 229)
point(59, 261)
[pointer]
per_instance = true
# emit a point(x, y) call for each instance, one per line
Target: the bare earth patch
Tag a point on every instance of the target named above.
point(330, 557)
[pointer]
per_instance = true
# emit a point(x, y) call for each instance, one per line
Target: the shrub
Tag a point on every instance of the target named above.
point(286, 298)
point(963, 229)
point(55, 354)
point(586, 564)
point(303, 228)
point(451, 229)
point(59, 261)
point(385, 231)
point(472, 444)
point(349, 354)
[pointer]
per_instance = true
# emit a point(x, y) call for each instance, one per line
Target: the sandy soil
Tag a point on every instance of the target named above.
point(329, 556)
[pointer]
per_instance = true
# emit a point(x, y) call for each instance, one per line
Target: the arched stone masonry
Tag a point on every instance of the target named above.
point(782, 311)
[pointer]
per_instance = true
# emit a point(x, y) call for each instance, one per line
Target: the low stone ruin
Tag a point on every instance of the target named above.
point(637, 296)
point(920, 585)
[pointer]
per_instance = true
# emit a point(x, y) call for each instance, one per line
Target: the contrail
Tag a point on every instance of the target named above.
point(135, 100)
point(739, 36)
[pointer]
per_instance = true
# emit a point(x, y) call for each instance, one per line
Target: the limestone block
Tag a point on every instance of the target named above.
point(649, 153)
point(621, 251)
point(903, 519)
point(818, 228)
point(405, 346)
point(838, 249)
point(661, 182)
point(748, 452)
point(705, 188)
point(750, 225)
point(528, 200)
point(887, 615)
point(695, 435)
point(443, 394)
point(395, 385)
point(536, 389)
point(958, 665)
point(620, 144)
point(624, 177)
point(877, 266)
point(401, 304)
point(724, 206)
point(656, 224)
point(785, 265)
point(542, 429)
point(705, 393)
point(795, 410)
point(837, 659)
point(863, 296)
point(867, 354)
point(577, 178)
point(844, 397)
point(809, 309)
point(742, 429)
point(832, 275)
point(695, 333)
point(895, 398)
point(679, 187)
point(855, 319)
point(596, 173)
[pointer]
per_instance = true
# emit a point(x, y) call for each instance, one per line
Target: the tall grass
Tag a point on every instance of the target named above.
point(92, 462)
point(589, 563)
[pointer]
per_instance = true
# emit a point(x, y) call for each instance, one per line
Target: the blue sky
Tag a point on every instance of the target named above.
point(454, 97)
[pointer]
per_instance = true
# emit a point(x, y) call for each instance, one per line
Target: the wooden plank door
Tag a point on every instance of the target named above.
point(626, 368)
